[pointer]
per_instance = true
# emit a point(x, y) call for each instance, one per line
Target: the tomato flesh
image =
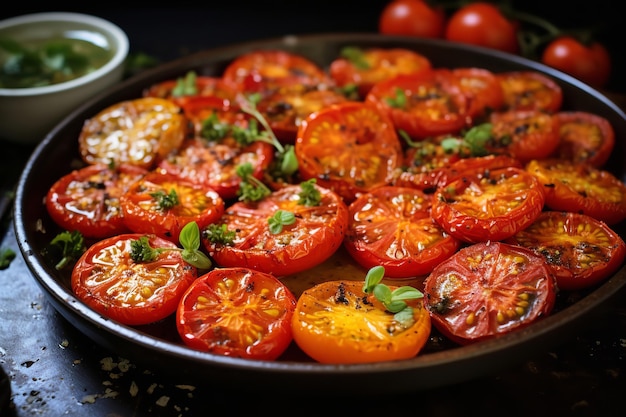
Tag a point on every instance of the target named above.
point(237, 312)
point(489, 289)
point(336, 322)
point(134, 293)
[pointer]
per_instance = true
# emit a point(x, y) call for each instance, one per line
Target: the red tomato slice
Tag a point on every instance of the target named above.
point(530, 90)
point(265, 71)
point(482, 88)
point(489, 289)
point(581, 250)
point(392, 227)
point(336, 322)
point(426, 164)
point(424, 104)
point(349, 147)
point(138, 132)
point(526, 134)
point(203, 86)
point(147, 207)
point(285, 111)
point(316, 234)
point(365, 67)
point(214, 163)
point(237, 312)
point(488, 205)
point(88, 199)
point(585, 137)
point(581, 188)
point(135, 293)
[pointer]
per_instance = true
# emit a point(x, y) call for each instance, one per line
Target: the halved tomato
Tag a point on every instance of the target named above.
point(429, 103)
point(350, 147)
point(316, 232)
point(392, 227)
point(489, 289)
point(525, 134)
point(88, 199)
point(337, 322)
point(530, 90)
point(162, 204)
point(585, 137)
point(581, 188)
point(364, 67)
point(581, 250)
point(488, 205)
point(483, 91)
point(266, 71)
point(107, 279)
point(285, 111)
point(139, 132)
point(237, 312)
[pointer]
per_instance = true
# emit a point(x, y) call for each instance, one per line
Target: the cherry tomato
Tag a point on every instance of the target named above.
point(590, 63)
point(265, 71)
point(412, 18)
point(316, 233)
point(482, 24)
point(581, 250)
point(237, 312)
point(585, 137)
point(489, 289)
point(424, 104)
point(162, 204)
point(88, 199)
point(392, 227)
point(477, 163)
point(337, 322)
point(139, 132)
point(488, 205)
point(364, 67)
point(530, 90)
point(350, 147)
point(108, 280)
point(525, 134)
point(581, 188)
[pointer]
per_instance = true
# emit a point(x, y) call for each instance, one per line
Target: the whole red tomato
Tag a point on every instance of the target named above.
point(412, 18)
point(482, 24)
point(589, 63)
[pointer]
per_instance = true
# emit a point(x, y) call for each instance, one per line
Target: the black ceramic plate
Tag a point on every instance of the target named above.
point(157, 347)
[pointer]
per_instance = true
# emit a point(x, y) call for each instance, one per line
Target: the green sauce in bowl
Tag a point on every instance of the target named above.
point(42, 62)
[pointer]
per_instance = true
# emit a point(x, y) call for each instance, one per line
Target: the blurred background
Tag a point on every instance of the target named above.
point(169, 32)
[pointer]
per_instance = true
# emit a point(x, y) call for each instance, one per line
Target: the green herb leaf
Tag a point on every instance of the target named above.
point(6, 257)
point(72, 246)
point(165, 201)
point(186, 86)
point(250, 188)
point(356, 56)
point(279, 219)
point(189, 238)
point(310, 195)
point(219, 233)
point(399, 100)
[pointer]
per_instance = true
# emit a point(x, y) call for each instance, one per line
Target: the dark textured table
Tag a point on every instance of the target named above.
point(55, 370)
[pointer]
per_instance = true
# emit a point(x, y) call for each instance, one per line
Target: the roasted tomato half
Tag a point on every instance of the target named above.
point(581, 250)
point(107, 279)
point(337, 322)
point(489, 289)
point(237, 312)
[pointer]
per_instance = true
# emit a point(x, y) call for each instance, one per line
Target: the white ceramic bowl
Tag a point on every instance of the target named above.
point(28, 114)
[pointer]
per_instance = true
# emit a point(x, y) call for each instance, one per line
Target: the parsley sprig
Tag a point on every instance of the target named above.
point(394, 301)
point(71, 245)
point(189, 238)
